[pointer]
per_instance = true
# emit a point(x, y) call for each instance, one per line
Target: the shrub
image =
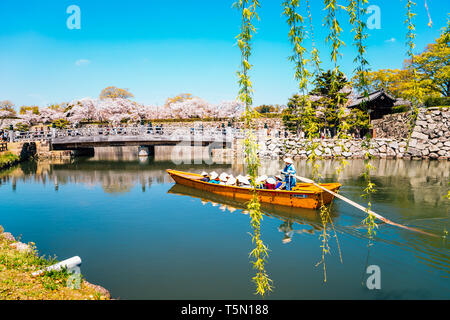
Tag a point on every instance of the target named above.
point(61, 123)
point(7, 159)
point(400, 109)
point(437, 101)
point(22, 127)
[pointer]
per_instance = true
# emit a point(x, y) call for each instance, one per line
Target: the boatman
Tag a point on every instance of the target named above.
point(289, 174)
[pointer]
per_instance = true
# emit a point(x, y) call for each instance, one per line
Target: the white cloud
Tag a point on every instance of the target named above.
point(82, 62)
point(391, 40)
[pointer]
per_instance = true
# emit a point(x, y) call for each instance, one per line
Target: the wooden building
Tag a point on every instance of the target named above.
point(379, 103)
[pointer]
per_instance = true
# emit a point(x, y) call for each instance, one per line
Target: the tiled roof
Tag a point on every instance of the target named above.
point(372, 96)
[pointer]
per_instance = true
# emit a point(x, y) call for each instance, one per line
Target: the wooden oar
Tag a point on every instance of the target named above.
point(366, 210)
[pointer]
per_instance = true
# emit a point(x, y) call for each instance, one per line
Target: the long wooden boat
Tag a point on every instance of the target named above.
point(303, 196)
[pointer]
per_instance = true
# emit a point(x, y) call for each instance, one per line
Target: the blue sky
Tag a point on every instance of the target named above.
point(160, 48)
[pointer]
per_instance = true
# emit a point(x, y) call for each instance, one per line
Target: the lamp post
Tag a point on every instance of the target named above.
point(53, 130)
point(11, 133)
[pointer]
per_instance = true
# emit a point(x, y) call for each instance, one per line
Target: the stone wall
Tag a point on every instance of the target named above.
point(430, 139)
point(38, 150)
point(431, 135)
point(392, 126)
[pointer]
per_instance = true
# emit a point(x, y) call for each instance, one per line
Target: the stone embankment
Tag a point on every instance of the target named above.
point(430, 139)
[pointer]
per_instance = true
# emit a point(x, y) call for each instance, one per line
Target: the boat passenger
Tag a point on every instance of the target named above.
point(279, 183)
point(231, 181)
point(223, 178)
point(206, 177)
point(260, 182)
point(289, 174)
point(270, 184)
point(214, 178)
point(243, 182)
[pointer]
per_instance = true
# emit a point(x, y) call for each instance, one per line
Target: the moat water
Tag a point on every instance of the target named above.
point(142, 237)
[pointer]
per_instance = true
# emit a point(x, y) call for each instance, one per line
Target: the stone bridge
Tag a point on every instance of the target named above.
point(84, 140)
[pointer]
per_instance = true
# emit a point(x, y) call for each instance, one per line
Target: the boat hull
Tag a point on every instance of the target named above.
point(307, 196)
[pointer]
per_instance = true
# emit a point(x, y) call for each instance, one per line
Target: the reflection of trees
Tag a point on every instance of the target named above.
point(114, 176)
point(397, 180)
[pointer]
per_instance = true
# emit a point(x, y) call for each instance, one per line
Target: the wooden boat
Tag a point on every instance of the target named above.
point(303, 196)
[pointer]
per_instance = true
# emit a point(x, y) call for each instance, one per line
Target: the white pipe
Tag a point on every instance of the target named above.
point(68, 264)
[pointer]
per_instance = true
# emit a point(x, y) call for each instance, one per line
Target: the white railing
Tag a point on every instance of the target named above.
point(146, 133)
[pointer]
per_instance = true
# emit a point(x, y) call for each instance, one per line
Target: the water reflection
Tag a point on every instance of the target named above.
point(287, 215)
point(408, 192)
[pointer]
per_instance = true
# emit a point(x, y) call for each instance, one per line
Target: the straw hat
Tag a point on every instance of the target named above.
point(231, 181)
point(289, 160)
point(243, 180)
point(271, 181)
point(214, 175)
point(205, 174)
point(261, 179)
point(223, 177)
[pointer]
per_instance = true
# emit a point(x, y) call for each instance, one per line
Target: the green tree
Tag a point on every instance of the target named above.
point(61, 123)
point(25, 109)
point(330, 86)
point(267, 109)
point(115, 93)
point(358, 120)
point(433, 65)
point(432, 71)
point(292, 114)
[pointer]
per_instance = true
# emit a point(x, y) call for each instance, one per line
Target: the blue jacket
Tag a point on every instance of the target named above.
point(290, 172)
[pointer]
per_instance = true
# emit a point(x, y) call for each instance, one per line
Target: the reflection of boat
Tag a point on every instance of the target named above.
point(280, 212)
point(305, 196)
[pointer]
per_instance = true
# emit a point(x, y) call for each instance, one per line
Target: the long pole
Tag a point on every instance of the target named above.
point(366, 210)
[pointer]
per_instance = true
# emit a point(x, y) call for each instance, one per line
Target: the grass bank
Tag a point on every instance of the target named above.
point(17, 263)
point(8, 159)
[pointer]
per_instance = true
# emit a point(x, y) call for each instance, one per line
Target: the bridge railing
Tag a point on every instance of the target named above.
point(154, 133)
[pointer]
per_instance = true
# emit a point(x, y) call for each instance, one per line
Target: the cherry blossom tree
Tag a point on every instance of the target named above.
point(117, 110)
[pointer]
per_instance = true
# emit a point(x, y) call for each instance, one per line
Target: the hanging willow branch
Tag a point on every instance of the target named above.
point(296, 36)
point(357, 10)
point(314, 52)
point(260, 253)
point(410, 36)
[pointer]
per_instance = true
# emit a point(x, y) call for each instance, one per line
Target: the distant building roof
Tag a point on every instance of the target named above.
point(379, 94)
